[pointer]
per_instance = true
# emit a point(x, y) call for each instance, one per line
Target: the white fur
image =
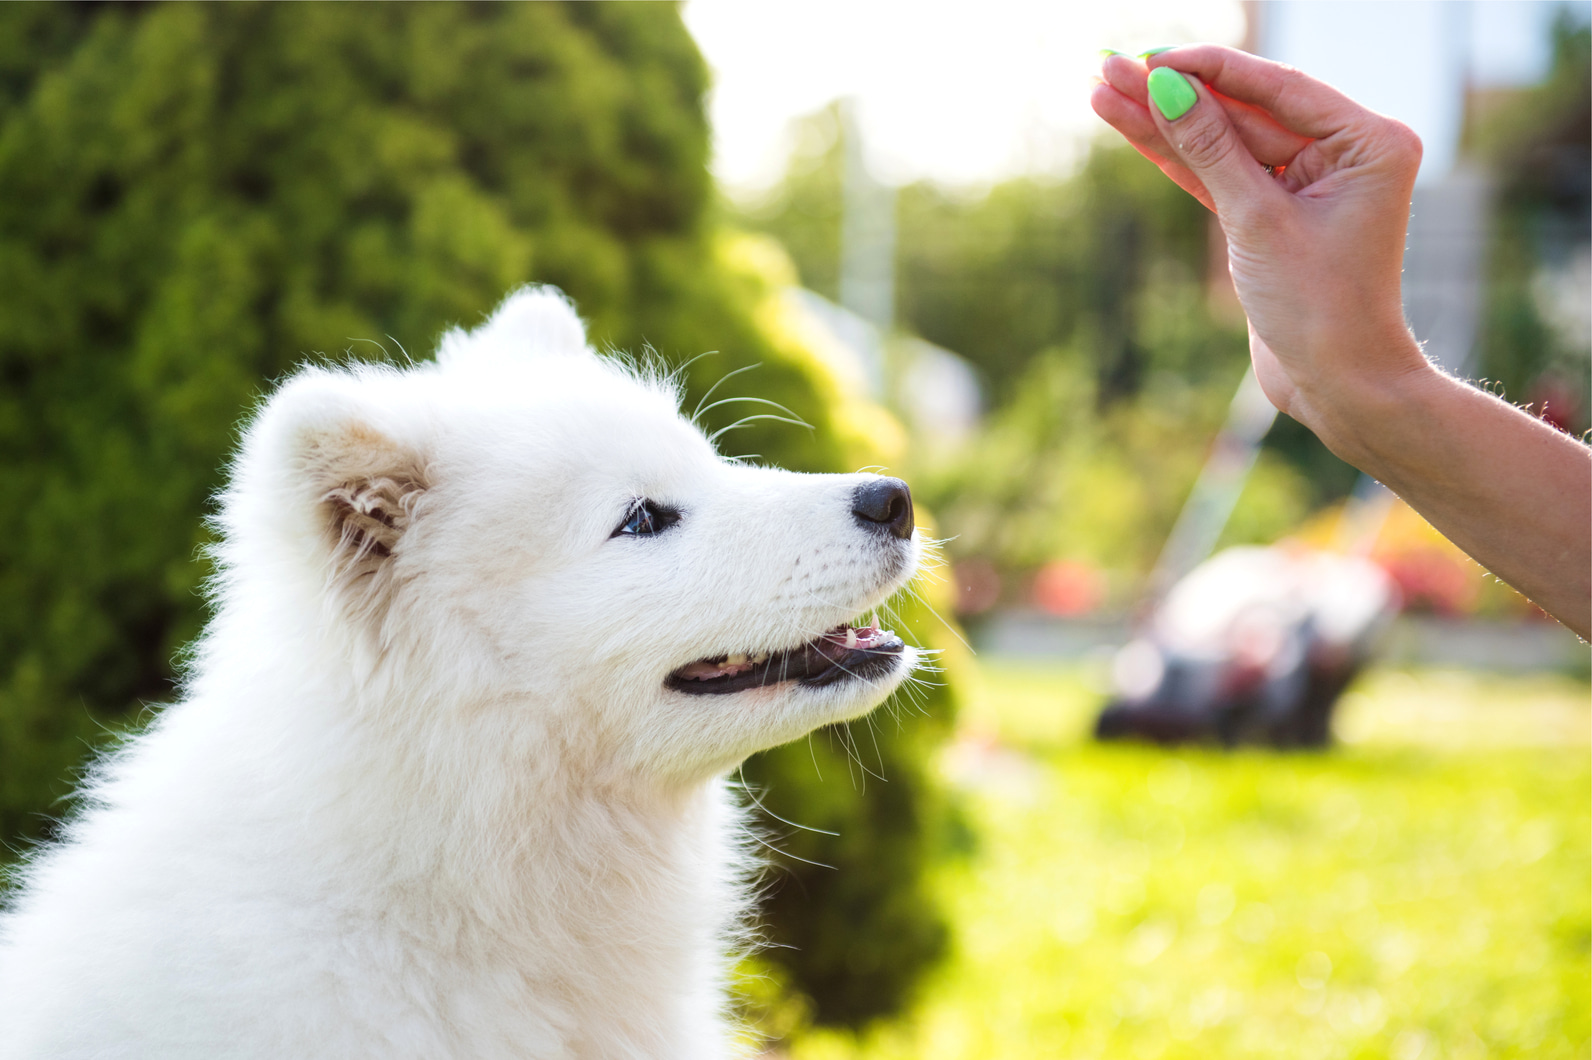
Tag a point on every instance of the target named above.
point(438, 802)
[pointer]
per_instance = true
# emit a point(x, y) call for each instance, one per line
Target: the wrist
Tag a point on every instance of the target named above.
point(1373, 403)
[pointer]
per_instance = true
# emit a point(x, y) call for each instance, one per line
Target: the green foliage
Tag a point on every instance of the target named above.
point(1276, 498)
point(1053, 475)
point(1423, 890)
point(199, 197)
point(1539, 147)
point(804, 210)
point(1110, 260)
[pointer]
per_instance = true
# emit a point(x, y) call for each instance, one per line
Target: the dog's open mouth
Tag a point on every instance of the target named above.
point(844, 652)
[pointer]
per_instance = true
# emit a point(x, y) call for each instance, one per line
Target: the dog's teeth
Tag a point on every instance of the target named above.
point(738, 659)
point(760, 658)
point(851, 638)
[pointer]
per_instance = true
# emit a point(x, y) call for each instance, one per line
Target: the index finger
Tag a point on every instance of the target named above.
point(1296, 100)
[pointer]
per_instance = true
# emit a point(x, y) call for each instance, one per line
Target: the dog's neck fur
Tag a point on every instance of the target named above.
point(472, 850)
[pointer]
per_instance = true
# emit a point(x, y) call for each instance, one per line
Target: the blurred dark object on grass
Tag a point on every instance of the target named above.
point(1254, 646)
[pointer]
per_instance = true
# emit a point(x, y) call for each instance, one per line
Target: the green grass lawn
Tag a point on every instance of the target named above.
point(1420, 891)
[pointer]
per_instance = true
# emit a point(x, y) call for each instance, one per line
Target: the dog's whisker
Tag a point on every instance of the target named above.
point(679, 374)
point(873, 735)
point(787, 854)
point(752, 400)
point(759, 804)
point(716, 384)
point(951, 629)
point(745, 421)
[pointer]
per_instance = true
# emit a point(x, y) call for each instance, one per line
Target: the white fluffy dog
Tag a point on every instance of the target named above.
point(446, 777)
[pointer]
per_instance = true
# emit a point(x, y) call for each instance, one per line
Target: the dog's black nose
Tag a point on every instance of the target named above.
point(885, 503)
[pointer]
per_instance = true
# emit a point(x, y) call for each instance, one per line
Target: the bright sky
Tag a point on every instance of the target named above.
point(964, 93)
point(1412, 59)
point(954, 91)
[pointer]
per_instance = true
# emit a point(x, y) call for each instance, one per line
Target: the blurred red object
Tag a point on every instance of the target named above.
point(1068, 588)
point(1435, 580)
point(978, 586)
point(1556, 400)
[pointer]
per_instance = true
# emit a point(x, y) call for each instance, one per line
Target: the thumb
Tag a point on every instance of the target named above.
point(1198, 129)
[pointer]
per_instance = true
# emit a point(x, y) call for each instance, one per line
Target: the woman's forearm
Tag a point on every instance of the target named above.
point(1505, 487)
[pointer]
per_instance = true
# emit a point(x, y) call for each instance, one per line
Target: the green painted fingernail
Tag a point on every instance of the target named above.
point(1109, 52)
point(1158, 51)
point(1172, 93)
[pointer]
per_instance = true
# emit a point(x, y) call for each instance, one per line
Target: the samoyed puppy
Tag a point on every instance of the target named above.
point(447, 776)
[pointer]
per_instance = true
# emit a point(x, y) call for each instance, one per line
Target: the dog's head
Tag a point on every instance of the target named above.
point(528, 532)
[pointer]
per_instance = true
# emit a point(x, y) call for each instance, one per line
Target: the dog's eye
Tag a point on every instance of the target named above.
point(647, 518)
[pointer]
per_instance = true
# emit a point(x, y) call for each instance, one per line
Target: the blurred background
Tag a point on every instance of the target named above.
point(908, 220)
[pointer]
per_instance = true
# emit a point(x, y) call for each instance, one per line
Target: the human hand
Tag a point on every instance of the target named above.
point(1315, 246)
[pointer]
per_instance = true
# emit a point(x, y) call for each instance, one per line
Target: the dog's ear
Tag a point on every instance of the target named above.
point(531, 322)
point(360, 485)
point(367, 486)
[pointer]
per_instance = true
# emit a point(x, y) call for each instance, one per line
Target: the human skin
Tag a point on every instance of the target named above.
point(1315, 250)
